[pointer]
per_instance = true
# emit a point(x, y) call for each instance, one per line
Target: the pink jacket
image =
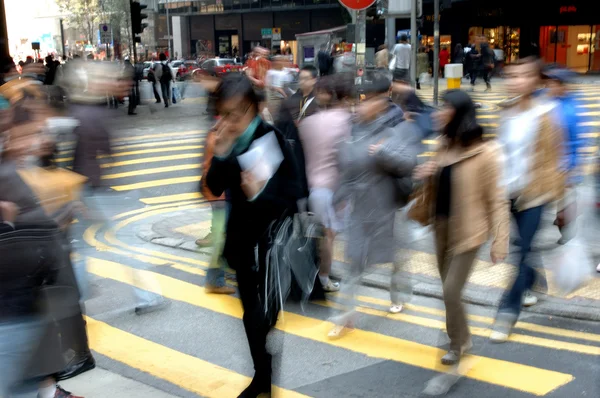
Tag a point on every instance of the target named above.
point(321, 134)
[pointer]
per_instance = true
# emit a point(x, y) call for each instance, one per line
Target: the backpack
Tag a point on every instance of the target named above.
point(165, 77)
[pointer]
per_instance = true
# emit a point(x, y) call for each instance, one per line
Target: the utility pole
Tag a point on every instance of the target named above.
point(62, 40)
point(361, 38)
point(436, 50)
point(3, 32)
point(414, 40)
point(168, 29)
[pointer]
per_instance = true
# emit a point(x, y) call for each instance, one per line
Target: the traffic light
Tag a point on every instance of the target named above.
point(137, 18)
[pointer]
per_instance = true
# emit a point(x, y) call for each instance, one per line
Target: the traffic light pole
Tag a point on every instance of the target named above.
point(414, 42)
point(3, 32)
point(436, 50)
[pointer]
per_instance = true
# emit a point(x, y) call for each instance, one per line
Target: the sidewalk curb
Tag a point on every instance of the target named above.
point(423, 286)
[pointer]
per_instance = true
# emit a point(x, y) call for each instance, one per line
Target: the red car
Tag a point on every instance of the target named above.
point(220, 66)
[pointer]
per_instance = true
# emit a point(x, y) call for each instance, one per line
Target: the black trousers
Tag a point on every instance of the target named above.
point(133, 98)
point(155, 91)
point(257, 322)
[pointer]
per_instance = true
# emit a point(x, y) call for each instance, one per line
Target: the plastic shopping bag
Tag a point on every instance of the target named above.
point(416, 231)
point(571, 266)
point(176, 94)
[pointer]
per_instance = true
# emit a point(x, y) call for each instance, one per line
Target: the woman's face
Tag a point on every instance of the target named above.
point(323, 97)
point(443, 116)
point(236, 115)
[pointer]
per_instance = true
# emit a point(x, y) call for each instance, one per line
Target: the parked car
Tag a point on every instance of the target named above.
point(220, 66)
point(175, 65)
point(185, 70)
point(147, 66)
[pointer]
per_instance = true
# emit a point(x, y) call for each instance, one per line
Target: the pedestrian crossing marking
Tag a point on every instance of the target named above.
point(516, 376)
point(475, 330)
point(493, 116)
point(155, 170)
point(589, 114)
point(155, 159)
point(488, 124)
point(186, 371)
point(159, 143)
point(156, 183)
point(591, 123)
point(532, 327)
point(171, 198)
point(161, 135)
point(589, 106)
point(482, 332)
point(152, 150)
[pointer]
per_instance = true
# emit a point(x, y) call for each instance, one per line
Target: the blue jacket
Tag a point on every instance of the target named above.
point(566, 116)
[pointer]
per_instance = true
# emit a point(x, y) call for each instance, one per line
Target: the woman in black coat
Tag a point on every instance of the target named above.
point(256, 209)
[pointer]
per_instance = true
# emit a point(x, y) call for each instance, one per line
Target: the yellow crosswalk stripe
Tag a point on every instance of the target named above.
point(488, 124)
point(153, 150)
point(159, 143)
point(488, 116)
point(160, 135)
point(156, 183)
point(171, 198)
point(589, 106)
point(155, 170)
point(186, 371)
point(589, 124)
point(532, 327)
point(596, 113)
point(516, 376)
point(590, 135)
point(155, 159)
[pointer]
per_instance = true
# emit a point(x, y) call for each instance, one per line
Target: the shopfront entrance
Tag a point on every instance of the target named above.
point(572, 46)
point(505, 38)
point(227, 43)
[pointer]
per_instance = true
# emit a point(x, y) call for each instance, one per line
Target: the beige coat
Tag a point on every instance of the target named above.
point(479, 207)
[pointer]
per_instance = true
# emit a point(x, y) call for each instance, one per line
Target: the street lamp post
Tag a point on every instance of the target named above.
point(168, 29)
point(436, 50)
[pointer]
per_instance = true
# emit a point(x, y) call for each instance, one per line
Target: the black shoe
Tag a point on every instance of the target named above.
point(166, 106)
point(418, 86)
point(148, 308)
point(132, 113)
point(258, 386)
point(158, 101)
point(81, 363)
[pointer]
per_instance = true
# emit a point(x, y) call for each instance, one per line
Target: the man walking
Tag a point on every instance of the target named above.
point(164, 74)
point(402, 53)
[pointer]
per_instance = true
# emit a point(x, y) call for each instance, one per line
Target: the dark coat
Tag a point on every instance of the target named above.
point(92, 139)
point(249, 222)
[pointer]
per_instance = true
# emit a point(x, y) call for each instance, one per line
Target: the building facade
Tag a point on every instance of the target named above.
point(562, 31)
point(228, 27)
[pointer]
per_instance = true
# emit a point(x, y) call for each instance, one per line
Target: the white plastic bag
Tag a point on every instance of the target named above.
point(571, 266)
point(417, 232)
point(392, 65)
point(425, 78)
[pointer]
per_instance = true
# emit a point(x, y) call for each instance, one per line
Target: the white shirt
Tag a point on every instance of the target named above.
point(402, 54)
point(278, 79)
point(517, 136)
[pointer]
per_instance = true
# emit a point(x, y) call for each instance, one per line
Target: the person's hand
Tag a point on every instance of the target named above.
point(497, 258)
point(425, 170)
point(250, 185)
point(9, 211)
point(373, 149)
point(223, 138)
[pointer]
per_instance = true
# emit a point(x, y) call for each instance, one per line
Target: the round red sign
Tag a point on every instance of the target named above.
point(357, 4)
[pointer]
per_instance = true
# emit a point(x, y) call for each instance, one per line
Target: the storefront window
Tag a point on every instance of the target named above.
point(595, 51)
point(571, 46)
point(503, 38)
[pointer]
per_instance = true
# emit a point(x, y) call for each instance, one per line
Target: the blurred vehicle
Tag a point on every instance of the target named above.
point(147, 66)
point(220, 66)
point(186, 68)
point(175, 65)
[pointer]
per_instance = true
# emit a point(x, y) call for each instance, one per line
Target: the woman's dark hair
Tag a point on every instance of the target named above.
point(458, 49)
point(327, 84)
point(236, 86)
point(463, 127)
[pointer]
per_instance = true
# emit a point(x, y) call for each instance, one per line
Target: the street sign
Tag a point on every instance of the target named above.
point(105, 33)
point(35, 45)
point(402, 8)
point(357, 4)
point(266, 33)
point(276, 34)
